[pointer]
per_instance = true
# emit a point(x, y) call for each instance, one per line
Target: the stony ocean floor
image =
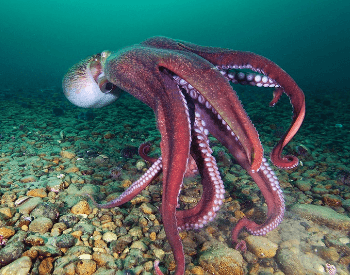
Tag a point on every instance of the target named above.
point(53, 153)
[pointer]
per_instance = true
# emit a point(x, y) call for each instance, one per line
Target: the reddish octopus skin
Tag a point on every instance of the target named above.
point(154, 71)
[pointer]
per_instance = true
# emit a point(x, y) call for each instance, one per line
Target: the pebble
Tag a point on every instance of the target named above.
point(136, 232)
point(20, 266)
point(28, 206)
point(34, 240)
point(104, 259)
point(86, 267)
point(159, 253)
point(41, 225)
point(54, 185)
point(148, 208)
point(109, 236)
point(303, 185)
point(28, 179)
point(47, 210)
point(65, 241)
point(46, 266)
point(67, 154)
point(81, 207)
point(261, 246)
point(12, 251)
point(139, 245)
point(7, 212)
point(39, 192)
point(7, 232)
point(221, 260)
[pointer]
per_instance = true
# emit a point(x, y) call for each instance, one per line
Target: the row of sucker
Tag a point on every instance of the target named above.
point(276, 189)
point(247, 78)
point(194, 94)
point(200, 136)
point(137, 186)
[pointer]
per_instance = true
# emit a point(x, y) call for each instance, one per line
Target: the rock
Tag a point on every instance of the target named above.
point(303, 185)
point(136, 232)
point(11, 252)
point(109, 236)
point(332, 200)
point(28, 179)
point(67, 154)
point(159, 253)
point(81, 207)
point(140, 164)
point(34, 240)
point(79, 250)
point(47, 251)
point(104, 259)
point(7, 212)
point(46, 266)
point(84, 227)
point(47, 210)
point(27, 207)
point(290, 262)
point(346, 204)
point(69, 220)
point(39, 192)
point(221, 260)
point(85, 267)
point(147, 208)
point(139, 245)
point(261, 246)
point(329, 254)
point(54, 185)
point(65, 265)
point(20, 266)
point(41, 225)
point(57, 229)
point(133, 259)
point(65, 241)
point(322, 215)
point(119, 245)
point(7, 231)
point(71, 169)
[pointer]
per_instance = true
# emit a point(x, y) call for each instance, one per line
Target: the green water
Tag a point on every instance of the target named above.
point(41, 39)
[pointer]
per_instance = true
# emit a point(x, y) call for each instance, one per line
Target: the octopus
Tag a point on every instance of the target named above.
point(189, 89)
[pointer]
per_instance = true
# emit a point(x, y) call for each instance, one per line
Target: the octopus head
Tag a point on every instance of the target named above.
point(85, 84)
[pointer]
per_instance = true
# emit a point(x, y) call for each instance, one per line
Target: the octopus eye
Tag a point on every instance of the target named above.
point(104, 85)
point(107, 87)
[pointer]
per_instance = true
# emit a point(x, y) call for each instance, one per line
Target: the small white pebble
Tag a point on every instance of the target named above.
point(344, 240)
point(85, 257)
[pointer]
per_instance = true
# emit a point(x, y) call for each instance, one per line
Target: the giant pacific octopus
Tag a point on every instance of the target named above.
point(188, 88)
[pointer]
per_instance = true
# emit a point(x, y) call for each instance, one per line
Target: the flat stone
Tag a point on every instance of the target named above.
point(38, 192)
point(290, 262)
point(29, 205)
point(11, 252)
point(29, 178)
point(322, 215)
point(20, 266)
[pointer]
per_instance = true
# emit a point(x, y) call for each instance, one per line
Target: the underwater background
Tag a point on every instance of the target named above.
point(52, 153)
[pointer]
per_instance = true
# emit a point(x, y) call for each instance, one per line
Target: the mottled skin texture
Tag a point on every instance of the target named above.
point(188, 88)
